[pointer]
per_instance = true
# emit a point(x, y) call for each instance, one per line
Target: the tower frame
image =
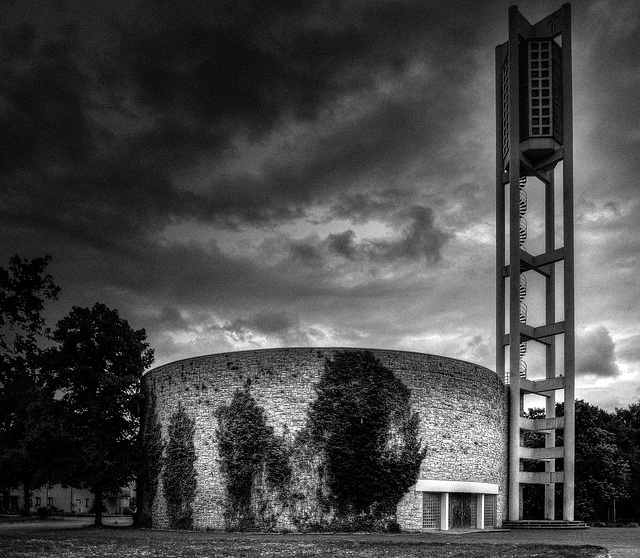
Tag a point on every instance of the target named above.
point(530, 142)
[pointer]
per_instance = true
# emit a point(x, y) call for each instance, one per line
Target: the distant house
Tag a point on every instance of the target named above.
point(68, 499)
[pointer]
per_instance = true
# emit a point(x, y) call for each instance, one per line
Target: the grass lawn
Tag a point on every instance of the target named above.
point(136, 543)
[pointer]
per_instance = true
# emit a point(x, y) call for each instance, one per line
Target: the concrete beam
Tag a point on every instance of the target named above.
point(541, 478)
point(542, 453)
point(542, 386)
point(535, 425)
point(539, 263)
point(538, 334)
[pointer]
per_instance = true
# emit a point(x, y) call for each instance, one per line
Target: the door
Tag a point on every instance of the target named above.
point(462, 511)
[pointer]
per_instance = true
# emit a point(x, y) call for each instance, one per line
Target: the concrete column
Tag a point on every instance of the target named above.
point(500, 221)
point(550, 314)
point(569, 295)
point(514, 263)
point(480, 512)
point(444, 511)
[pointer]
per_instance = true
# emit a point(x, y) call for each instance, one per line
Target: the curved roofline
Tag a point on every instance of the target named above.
point(312, 349)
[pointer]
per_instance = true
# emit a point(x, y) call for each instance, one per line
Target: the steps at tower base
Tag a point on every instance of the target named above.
point(544, 524)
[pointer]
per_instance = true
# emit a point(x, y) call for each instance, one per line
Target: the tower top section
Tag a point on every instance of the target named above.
point(533, 61)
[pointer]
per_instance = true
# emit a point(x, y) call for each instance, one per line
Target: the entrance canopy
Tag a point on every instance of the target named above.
point(456, 486)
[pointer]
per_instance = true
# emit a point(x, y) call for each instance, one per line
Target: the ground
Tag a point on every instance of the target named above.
point(72, 537)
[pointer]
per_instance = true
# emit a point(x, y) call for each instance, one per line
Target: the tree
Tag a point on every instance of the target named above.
point(363, 423)
point(602, 473)
point(626, 424)
point(26, 399)
point(98, 365)
point(602, 469)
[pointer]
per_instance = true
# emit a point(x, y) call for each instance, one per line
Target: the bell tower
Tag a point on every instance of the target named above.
point(534, 139)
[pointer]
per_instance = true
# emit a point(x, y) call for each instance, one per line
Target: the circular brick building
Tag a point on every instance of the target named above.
point(462, 407)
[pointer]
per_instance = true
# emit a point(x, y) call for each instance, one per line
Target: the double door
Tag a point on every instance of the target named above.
point(462, 511)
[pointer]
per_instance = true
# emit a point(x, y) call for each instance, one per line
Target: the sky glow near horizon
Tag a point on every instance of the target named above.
point(239, 175)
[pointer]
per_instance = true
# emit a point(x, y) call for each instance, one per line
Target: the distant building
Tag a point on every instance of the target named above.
point(68, 499)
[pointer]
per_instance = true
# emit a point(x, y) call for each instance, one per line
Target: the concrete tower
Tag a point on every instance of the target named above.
point(534, 126)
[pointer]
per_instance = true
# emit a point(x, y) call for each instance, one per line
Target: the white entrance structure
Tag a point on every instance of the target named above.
point(456, 504)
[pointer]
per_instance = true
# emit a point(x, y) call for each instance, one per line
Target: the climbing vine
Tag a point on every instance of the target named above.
point(152, 447)
point(249, 453)
point(363, 425)
point(179, 475)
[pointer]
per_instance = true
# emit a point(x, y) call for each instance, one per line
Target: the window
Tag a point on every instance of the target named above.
point(38, 501)
point(539, 89)
point(86, 502)
point(430, 510)
point(50, 501)
point(489, 510)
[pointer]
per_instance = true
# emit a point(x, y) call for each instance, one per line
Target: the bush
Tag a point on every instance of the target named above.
point(43, 512)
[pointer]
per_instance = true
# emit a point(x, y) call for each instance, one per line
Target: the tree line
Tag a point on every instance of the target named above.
point(607, 482)
point(70, 397)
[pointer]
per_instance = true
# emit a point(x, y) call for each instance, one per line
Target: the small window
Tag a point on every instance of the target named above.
point(86, 502)
point(489, 510)
point(38, 501)
point(431, 510)
point(50, 501)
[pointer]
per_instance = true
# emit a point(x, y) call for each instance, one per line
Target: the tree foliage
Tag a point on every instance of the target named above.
point(27, 406)
point(248, 447)
point(626, 426)
point(97, 366)
point(179, 475)
point(603, 470)
point(151, 459)
point(363, 424)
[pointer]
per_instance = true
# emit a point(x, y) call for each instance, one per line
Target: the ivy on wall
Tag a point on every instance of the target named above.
point(179, 475)
point(152, 447)
point(250, 453)
point(363, 425)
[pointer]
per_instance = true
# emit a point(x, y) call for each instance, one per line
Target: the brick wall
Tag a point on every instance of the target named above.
point(463, 412)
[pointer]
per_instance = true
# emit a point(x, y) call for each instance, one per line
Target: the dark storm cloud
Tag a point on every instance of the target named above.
point(236, 174)
point(249, 63)
point(43, 121)
point(19, 42)
point(188, 80)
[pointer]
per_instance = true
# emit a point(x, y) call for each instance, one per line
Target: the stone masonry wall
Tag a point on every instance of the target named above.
point(463, 412)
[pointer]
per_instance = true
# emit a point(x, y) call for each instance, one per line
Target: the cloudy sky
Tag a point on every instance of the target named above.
point(235, 175)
